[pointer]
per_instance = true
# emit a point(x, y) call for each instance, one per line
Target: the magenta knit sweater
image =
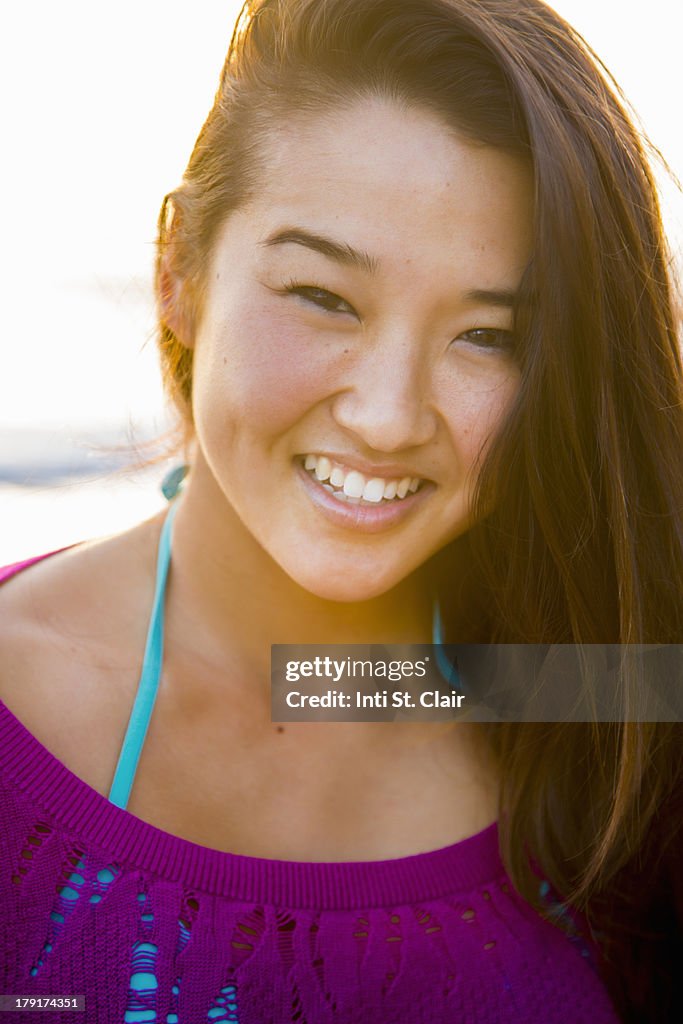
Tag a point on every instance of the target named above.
point(149, 927)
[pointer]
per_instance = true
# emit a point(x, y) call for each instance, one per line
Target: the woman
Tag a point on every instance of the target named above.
point(415, 313)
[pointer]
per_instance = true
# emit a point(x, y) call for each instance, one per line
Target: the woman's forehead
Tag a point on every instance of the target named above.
point(375, 141)
point(392, 182)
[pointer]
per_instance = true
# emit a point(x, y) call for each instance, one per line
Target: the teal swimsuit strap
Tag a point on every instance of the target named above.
point(447, 668)
point(149, 677)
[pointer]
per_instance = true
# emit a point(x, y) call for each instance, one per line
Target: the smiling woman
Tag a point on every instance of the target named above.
point(415, 313)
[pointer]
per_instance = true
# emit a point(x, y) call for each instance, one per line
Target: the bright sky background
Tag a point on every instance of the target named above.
point(103, 103)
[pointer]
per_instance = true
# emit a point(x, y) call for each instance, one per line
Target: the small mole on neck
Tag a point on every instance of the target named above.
point(280, 728)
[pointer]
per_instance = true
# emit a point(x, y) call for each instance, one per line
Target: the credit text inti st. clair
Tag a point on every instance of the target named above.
point(394, 671)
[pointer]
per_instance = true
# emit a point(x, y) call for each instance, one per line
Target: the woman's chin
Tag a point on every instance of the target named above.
point(347, 586)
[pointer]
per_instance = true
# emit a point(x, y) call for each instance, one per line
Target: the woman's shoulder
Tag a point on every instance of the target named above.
point(72, 628)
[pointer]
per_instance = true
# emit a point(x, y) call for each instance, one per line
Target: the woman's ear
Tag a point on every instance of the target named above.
point(174, 306)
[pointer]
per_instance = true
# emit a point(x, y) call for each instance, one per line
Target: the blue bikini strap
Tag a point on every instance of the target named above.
point(447, 669)
point(149, 676)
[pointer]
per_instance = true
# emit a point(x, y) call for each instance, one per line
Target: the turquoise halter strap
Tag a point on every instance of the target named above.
point(447, 669)
point(149, 677)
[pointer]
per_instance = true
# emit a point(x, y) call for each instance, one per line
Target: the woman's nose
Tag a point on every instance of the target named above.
point(387, 399)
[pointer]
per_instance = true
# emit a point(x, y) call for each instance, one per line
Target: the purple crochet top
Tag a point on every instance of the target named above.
point(149, 927)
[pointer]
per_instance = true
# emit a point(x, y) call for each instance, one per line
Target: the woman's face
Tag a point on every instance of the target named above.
point(354, 354)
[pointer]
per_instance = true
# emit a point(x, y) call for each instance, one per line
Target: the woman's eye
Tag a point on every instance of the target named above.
point(489, 337)
point(321, 298)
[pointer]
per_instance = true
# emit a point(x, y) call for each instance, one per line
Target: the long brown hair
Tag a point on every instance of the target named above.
point(582, 540)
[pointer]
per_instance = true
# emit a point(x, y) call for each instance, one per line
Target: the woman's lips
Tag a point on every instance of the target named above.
point(360, 480)
point(366, 518)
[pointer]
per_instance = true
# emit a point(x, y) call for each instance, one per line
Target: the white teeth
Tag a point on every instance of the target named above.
point(351, 486)
point(323, 469)
point(354, 485)
point(374, 489)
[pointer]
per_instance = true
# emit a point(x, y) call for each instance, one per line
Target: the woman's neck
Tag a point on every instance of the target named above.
point(227, 595)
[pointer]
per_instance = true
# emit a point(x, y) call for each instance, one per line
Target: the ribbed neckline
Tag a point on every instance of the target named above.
point(128, 840)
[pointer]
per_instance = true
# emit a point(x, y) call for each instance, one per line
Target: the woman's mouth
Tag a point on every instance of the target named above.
point(355, 488)
point(360, 501)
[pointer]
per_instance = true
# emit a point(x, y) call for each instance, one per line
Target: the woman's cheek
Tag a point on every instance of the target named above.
point(474, 416)
point(275, 366)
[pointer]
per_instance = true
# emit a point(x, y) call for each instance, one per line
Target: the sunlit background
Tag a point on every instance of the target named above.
point(102, 105)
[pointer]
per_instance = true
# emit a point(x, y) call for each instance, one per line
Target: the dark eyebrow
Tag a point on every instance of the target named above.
point(343, 253)
point(338, 251)
point(482, 297)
